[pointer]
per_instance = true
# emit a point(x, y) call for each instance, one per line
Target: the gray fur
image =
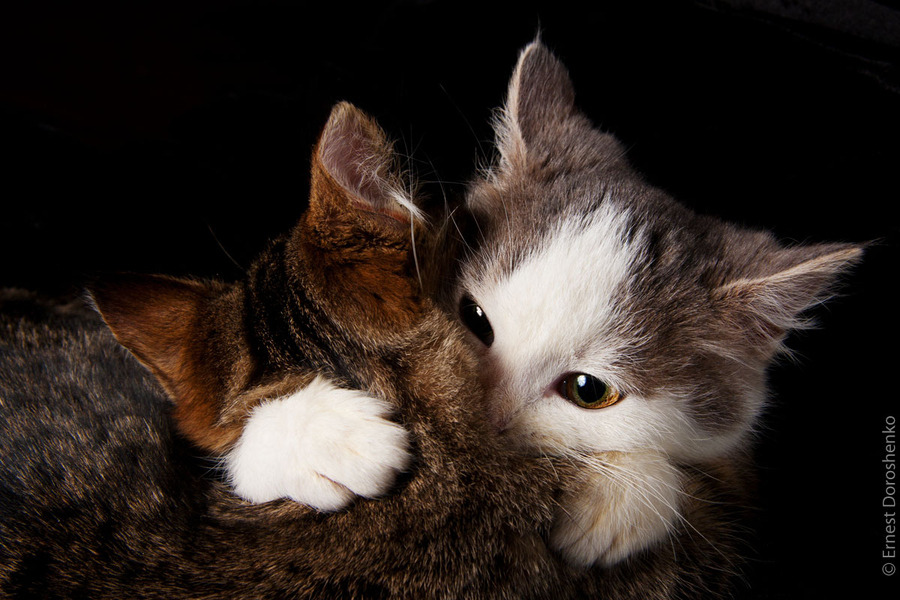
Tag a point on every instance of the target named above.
point(702, 309)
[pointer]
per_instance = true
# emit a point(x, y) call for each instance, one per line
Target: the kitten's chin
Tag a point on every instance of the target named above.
point(624, 504)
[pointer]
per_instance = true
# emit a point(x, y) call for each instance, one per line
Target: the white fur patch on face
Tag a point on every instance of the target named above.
point(557, 311)
point(320, 446)
point(564, 309)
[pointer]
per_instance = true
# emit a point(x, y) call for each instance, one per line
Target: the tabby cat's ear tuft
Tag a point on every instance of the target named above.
point(763, 306)
point(540, 99)
point(354, 170)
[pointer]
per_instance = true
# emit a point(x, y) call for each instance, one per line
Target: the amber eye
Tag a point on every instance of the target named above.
point(587, 391)
point(474, 318)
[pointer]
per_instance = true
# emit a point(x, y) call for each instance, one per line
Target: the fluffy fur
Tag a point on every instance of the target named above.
point(582, 267)
point(320, 446)
point(102, 493)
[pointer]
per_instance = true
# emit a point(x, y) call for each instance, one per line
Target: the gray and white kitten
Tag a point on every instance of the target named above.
point(617, 327)
point(618, 330)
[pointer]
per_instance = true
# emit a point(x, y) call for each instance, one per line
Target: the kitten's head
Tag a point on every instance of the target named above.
point(610, 317)
point(336, 296)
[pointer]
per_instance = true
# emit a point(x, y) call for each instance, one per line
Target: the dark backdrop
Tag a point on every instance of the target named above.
point(174, 136)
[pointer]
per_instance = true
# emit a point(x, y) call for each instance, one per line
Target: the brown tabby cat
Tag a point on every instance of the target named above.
point(101, 498)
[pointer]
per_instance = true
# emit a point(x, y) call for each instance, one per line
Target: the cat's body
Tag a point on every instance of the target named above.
point(616, 327)
point(102, 497)
point(656, 497)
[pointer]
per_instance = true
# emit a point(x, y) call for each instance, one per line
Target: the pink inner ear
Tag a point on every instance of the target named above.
point(357, 155)
point(353, 153)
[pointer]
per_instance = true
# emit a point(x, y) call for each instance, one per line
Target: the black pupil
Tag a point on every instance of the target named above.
point(474, 318)
point(590, 389)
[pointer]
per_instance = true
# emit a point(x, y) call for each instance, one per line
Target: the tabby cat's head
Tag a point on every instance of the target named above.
point(334, 296)
point(612, 318)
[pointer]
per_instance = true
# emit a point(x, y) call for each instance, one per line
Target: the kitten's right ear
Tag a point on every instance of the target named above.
point(356, 238)
point(540, 103)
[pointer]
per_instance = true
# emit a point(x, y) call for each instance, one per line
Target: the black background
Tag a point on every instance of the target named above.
point(175, 136)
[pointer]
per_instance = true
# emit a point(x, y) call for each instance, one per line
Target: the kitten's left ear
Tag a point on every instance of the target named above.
point(762, 306)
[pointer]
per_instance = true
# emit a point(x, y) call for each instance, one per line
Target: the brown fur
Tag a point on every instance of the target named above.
point(350, 257)
point(179, 330)
point(149, 522)
point(103, 500)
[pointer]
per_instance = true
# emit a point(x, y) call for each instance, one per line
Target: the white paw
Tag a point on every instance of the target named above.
point(320, 446)
point(627, 504)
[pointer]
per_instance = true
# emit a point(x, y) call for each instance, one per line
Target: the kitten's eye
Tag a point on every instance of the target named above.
point(474, 318)
point(587, 391)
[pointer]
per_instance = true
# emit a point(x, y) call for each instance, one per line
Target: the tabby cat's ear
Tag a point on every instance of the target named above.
point(162, 321)
point(762, 305)
point(356, 182)
point(152, 316)
point(539, 108)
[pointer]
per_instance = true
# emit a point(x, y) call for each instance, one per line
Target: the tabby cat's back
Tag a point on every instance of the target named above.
point(104, 498)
